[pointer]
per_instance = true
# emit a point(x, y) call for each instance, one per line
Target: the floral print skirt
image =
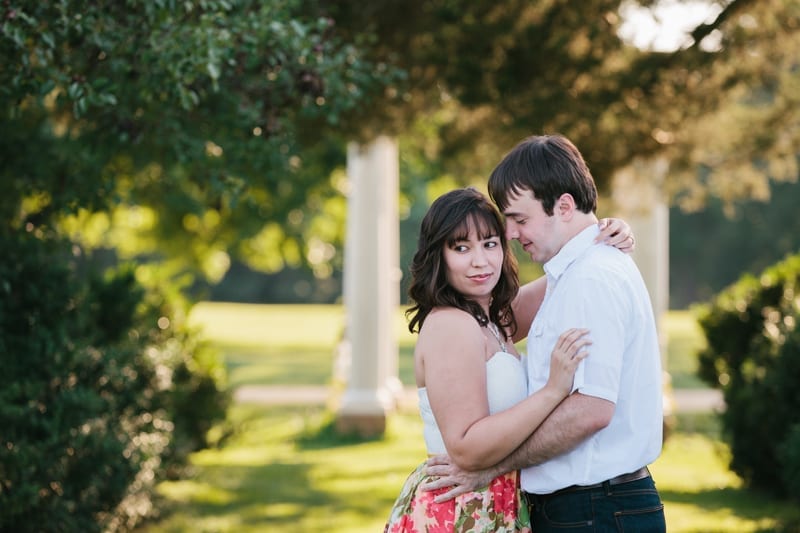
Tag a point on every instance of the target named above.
point(496, 508)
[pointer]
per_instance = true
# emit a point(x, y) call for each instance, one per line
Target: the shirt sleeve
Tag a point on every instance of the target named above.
point(597, 304)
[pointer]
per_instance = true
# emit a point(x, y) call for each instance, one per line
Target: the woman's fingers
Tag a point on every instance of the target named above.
point(573, 343)
point(571, 336)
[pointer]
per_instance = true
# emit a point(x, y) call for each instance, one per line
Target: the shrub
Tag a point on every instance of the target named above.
point(97, 401)
point(753, 355)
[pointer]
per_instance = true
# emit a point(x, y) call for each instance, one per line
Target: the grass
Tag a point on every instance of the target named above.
point(283, 469)
point(296, 344)
point(684, 341)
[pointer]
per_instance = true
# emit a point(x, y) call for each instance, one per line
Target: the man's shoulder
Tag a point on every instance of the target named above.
point(601, 259)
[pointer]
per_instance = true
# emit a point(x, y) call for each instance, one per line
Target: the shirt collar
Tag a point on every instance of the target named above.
point(573, 249)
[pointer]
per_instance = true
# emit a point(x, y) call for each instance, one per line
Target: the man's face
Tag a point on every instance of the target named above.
point(527, 222)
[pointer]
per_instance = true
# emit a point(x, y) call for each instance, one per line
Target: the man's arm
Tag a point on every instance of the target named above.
point(526, 304)
point(576, 419)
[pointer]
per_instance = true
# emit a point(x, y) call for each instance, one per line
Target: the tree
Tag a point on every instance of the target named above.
point(185, 113)
point(711, 248)
point(518, 67)
point(168, 130)
point(214, 117)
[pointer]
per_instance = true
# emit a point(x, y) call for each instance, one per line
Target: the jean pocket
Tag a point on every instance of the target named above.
point(644, 520)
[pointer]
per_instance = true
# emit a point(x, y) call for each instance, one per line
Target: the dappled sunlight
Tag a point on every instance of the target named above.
point(200, 492)
point(282, 468)
point(292, 366)
point(255, 324)
point(696, 463)
point(274, 345)
point(262, 481)
point(693, 518)
point(699, 493)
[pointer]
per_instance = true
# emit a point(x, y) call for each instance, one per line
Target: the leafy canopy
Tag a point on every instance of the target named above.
point(170, 126)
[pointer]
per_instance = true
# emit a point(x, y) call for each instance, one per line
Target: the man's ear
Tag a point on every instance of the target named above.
point(565, 206)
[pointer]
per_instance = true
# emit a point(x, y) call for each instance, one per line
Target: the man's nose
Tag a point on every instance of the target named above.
point(511, 231)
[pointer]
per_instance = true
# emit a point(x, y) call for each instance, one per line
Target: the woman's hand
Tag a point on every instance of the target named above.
point(617, 233)
point(569, 351)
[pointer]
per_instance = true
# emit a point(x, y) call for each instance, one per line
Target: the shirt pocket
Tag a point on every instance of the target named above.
point(541, 342)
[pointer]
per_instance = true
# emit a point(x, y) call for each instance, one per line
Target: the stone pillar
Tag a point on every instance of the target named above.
point(637, 197)
point(371, 287)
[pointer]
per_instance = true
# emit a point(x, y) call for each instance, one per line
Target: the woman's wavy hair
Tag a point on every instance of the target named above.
point(450, 219)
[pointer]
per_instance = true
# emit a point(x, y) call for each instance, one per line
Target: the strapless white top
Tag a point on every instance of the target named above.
point(506, 385)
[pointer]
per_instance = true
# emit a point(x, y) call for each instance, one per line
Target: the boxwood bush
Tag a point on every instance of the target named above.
point(102, 393)
point(753, 355)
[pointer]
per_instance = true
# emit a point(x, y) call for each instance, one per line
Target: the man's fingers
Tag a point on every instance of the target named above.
point(450, 494)
point(437, 470)
point(441, 459)
point(433, 484)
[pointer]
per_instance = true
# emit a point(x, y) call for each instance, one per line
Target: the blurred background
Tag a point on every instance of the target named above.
point(160, 155)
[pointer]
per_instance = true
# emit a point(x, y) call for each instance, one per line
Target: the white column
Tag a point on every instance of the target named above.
point(637, 197)
point(371, 286)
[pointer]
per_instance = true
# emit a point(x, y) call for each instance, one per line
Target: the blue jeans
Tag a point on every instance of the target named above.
point(630, 507)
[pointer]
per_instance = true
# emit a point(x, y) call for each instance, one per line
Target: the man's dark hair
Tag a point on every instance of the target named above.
point(548, 166)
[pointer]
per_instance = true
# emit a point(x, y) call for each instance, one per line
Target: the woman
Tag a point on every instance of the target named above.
point(471, 380)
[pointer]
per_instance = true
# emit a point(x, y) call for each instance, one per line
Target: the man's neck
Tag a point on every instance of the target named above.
point(579, 223)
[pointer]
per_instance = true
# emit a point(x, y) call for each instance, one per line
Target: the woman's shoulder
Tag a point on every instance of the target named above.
point(449, 333)
point(443, 320)
point(450, 314)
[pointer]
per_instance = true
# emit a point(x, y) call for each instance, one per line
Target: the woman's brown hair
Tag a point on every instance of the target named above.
point(449, 219)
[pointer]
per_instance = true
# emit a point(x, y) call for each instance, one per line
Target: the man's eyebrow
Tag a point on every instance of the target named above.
point(512, 214)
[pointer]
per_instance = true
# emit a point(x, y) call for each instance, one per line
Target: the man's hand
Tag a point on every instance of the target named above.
point(443, 474)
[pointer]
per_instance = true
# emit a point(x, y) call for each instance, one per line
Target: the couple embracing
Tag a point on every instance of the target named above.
point(559, 438)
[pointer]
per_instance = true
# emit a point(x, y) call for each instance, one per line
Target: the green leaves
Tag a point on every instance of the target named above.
point(217, 95)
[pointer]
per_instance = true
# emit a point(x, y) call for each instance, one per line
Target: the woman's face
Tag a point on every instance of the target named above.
point(474, 264)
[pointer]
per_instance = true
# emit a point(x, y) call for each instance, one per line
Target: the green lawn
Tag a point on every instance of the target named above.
point(283, 471)
point(684, 340)
point(281, 468)
point(296, 344)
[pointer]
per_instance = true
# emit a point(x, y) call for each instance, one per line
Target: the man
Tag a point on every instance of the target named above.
point(585, 468)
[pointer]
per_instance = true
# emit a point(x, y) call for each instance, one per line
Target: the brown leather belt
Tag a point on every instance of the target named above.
point(624, 478)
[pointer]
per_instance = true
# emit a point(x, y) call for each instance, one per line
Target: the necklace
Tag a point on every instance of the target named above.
point(491, 326)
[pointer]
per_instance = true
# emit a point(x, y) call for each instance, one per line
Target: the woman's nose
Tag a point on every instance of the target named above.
point(479, 257)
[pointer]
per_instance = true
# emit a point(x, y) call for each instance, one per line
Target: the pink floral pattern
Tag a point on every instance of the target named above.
point(498, 508)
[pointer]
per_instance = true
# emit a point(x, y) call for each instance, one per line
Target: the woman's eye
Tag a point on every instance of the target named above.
point(460, 248)
point(492, 244)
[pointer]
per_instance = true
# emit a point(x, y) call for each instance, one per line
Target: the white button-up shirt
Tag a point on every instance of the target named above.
point(596, 286)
